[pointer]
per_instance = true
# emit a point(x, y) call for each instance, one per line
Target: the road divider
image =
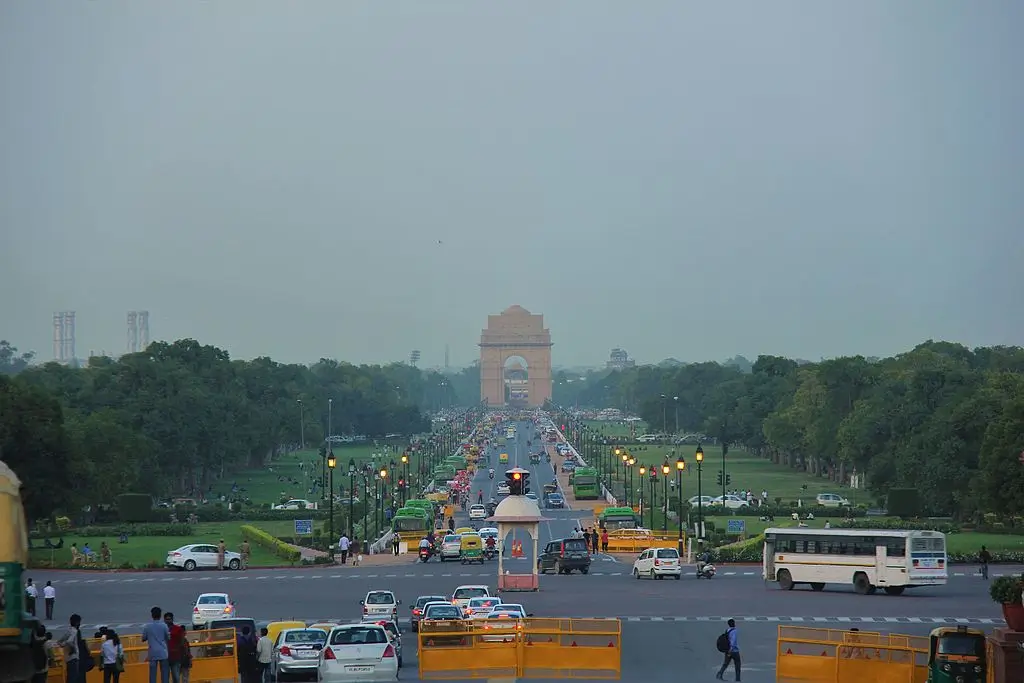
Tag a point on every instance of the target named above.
point(818, 655)
point(529, 648)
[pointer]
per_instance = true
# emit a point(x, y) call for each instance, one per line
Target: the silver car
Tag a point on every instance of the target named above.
point(451, 547)
point(297, 651)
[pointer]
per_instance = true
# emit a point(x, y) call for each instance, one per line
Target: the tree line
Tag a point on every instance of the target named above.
point(178, 416)
point(943, 419)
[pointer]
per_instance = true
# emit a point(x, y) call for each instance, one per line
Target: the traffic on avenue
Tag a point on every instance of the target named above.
point(669, 628)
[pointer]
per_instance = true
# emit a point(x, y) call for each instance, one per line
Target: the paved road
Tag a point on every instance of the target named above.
point(669, 627)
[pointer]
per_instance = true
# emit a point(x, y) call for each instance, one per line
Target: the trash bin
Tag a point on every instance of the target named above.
point(366, 547)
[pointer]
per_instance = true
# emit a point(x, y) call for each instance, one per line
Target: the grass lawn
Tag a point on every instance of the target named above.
point(292, 475)
point(971, 542)
point(747, 472)
point(141, 550)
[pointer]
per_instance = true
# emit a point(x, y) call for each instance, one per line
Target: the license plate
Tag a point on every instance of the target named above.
point(359, 669)
point(307, 654)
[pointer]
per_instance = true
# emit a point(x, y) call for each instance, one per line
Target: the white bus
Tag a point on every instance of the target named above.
point(867, 559)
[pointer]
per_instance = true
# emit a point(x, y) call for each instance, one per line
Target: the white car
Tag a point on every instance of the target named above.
point(657, 563)
point(730, 502)
point(380, 605)
point(463, 594)
point(478, 512)
point(210, 606)
point(297, 651)
point(200, 556)
point(479, 608)
point(532, 496)
point(358, 652)
point(442, 611)
point(296, 504)
point(705, 501)
point(503, 489)
point(451, 546)
point(504, 619)
point(831, 500)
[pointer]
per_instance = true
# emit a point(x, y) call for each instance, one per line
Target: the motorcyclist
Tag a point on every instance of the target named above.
point(702, 561)
point(491, 472)
point(492, 545)
point(426, 543)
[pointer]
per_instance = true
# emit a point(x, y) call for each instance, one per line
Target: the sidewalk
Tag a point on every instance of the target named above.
point(378, 560)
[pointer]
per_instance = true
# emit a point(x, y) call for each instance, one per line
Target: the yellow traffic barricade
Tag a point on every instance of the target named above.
point(213, 658)
point(813, 655)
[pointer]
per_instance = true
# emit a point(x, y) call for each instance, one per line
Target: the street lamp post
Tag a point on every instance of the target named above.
point(405, 477)
point(631, 497)
point(676, 400)
point(664, 421)
point(383, 495)
point(332, 462)
point(680, 466)
point(351, 494)
point(330, 444)
point(376, 505)
point(699, 457)
point(654, 492)
point(643, 471)
point(665, 469)
point(302, 425)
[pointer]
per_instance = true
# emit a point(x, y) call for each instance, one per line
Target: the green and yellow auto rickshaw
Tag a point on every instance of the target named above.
point(956, 655)
point(472, 549)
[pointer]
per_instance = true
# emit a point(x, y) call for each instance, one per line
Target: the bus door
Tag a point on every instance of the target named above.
point(768, 564)
point(881, 573)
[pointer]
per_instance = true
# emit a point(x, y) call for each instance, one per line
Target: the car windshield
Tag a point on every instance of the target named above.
point(477, 507)
point(668, 554)
point(483, 602)
point(961, 646)
point(451, 539)
point(443, 612)
point(380, 598)
point(309, 636)
point(213, 600)
point(420, 602)
point(359, 635)
point(469, 593)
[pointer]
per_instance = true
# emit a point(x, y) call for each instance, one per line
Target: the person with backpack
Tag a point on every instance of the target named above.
point(729, 645)
point(77, 660)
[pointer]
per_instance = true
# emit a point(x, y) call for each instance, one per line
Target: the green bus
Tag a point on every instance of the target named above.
point(409, 520)
point(423, 504)
point(584, 484)
point(618, 518)
point(443, 474)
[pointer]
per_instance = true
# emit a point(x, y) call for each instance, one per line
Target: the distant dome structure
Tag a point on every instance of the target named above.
point(517, 509)
point(515, 310)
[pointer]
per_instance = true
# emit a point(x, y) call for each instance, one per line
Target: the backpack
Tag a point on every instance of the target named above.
point(85, 658)
point(723, 643)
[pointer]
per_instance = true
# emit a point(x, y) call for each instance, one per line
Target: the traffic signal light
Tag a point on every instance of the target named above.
point(719, 480)
point(518, 482)
point(563, 429)
point(401, 484)
point(728, 479)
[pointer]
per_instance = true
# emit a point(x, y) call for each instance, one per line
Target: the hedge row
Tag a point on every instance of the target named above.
point(783, 512)
point(901, 524)
point(179, 529)
point(266, 540)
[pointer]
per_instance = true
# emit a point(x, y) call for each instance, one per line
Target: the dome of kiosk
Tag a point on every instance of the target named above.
point(517, 508)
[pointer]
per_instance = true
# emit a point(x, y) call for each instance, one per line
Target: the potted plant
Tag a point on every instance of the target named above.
point(1008, 591)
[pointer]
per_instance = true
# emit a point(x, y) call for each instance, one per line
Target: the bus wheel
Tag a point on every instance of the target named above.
point(818, 586)
point(785, 580)
point(861, 583)
point(894, 590)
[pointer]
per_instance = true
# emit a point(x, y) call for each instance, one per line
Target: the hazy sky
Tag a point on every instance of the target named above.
point(358, 179)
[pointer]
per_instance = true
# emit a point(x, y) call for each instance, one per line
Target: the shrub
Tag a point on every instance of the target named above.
point(900, 524)
point(63, 523)
point(134, 507)
point(266, 540)
point(1006, 590)
point(749, 550)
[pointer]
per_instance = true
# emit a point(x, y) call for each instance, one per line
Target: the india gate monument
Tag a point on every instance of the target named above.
point(515, 360)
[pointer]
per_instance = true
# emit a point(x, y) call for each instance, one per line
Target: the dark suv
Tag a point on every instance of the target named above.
point(565, 555)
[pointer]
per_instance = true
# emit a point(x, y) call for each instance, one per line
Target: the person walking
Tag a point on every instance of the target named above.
point(604, 539)
point(595, 540)
point(157, 637)
point(245, 646)
point(40, 655)
point(222, 550)
point(264, 650)
point(31, 593)
point(245, 551)
point(73, 669)
point(177, 647)
point(731, 651)
point(396, 542)
point(49, 595)
point(112, 654)
point(343, 545)
point(984, 556)
point(186, 662)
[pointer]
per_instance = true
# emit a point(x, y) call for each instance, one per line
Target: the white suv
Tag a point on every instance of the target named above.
point(380, 605)
point(657, 563)
point(478, 512)
point(831, 500)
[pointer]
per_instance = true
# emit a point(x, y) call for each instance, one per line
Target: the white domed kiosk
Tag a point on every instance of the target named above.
point(518, 513)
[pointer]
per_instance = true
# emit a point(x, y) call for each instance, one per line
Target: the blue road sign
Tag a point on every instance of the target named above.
point(736, 526)
point(304, 527)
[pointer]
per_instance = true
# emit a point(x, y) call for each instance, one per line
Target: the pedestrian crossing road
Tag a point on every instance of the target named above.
point(307, 576)
point(127, 627)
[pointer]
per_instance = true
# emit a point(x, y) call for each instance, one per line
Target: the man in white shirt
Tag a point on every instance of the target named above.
point(31, 593)
point(343, 544)
point(49, 595)
point(264, 648)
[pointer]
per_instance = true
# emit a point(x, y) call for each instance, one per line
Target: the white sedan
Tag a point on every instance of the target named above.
point(200, 556)
point(730, 502)
point(296, 504)
point(358, 652)
point(210, 607)
point(478, 512)
point(705, 501)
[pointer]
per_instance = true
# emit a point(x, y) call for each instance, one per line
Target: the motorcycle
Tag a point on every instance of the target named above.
point(492, 475)
point(490, 552)
point(706, 571)
point(425, 554)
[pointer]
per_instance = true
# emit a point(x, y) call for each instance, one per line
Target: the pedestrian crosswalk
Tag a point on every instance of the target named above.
point(128, 627)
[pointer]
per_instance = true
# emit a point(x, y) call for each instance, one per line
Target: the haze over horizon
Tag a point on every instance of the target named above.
point(357, 180)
